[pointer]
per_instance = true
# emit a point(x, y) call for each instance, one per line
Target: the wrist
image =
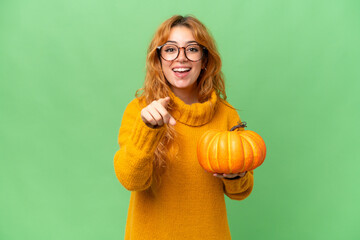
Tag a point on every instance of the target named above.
point(237, 177)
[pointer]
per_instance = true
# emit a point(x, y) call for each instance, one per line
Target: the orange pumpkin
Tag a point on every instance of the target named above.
point(231, 151)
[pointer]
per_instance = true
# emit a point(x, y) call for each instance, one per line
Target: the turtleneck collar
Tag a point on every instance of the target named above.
point(196, 114)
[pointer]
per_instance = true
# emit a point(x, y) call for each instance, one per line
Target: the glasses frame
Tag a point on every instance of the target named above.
point(179, 49)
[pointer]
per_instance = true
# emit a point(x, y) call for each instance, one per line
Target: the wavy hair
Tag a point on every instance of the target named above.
point(156, 86)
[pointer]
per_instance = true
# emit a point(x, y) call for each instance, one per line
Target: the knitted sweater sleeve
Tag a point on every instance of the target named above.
point(238, 189)
point(133, 161)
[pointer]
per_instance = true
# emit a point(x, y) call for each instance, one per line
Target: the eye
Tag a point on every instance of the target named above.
point(193, 49)
point(169, 50)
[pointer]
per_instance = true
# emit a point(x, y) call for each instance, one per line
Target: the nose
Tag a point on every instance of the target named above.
point(182, 56)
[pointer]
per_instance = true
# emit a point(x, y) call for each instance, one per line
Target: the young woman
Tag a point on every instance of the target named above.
point(172, 197)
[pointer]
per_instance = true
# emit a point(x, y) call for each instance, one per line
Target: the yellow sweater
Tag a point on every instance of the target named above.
point(189, 204)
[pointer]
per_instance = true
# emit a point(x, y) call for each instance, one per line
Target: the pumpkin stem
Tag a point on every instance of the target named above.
point(240, 125)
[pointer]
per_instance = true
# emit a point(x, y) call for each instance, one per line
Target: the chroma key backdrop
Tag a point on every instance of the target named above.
point(69, 68)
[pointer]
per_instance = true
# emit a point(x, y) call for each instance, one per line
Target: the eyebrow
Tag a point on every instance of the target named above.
point(177, 42)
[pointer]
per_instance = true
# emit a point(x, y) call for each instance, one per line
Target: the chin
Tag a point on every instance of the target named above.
point(182, 84)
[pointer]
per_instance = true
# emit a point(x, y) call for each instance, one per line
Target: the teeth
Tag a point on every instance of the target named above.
point(181, 69)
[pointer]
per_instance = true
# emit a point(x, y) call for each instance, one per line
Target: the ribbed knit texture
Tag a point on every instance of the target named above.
point(189, 203)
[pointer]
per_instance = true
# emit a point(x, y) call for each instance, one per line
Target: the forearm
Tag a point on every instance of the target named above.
point(133, 168)
point(133, 161)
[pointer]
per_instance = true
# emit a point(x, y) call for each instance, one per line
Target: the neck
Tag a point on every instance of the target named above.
point(188, 96)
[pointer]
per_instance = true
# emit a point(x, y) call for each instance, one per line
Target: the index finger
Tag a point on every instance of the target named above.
point(164, 101)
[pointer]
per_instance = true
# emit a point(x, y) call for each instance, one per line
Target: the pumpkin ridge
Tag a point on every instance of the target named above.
point(243, 152)
point(207, 152)
point(258, 141)
point(217, 152)
point(251, 144)
point(229, 153)
point(254, 140)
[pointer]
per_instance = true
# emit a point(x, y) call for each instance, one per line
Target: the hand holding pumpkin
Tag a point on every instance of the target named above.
point(231, 175)
point(231, 151)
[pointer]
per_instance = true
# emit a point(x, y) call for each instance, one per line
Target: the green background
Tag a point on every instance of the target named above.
point(69, 68)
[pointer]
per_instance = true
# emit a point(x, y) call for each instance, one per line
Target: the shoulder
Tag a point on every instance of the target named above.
point(228, 112)
point(134, 107)
point(225, 106)
point(137, 104)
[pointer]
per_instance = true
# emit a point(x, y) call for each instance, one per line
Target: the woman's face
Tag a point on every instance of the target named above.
point(174, 70)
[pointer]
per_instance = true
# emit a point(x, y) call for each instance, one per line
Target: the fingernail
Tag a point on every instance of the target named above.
point(172, 121)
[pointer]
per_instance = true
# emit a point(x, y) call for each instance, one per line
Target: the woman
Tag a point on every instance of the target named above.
point(172, 197)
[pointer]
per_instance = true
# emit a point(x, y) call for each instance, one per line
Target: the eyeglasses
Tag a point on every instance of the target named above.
point(193, 52)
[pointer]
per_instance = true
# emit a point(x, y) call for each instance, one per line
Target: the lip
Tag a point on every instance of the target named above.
point(181, 75)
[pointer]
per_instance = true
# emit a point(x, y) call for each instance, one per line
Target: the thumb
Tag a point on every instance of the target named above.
point(164, 101)
point(172, 121)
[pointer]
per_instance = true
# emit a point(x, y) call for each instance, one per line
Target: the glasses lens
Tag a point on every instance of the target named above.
point(169, 52)
point(194, 52)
